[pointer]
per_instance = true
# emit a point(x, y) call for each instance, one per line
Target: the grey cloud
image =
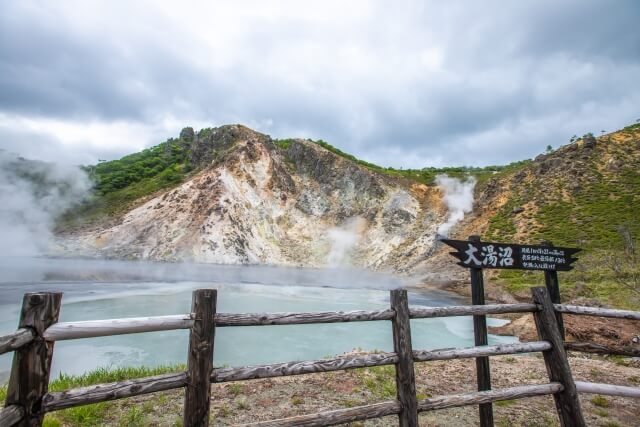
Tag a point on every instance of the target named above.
point(515, 76)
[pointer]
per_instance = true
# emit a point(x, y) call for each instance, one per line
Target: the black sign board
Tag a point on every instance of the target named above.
point(505, 255)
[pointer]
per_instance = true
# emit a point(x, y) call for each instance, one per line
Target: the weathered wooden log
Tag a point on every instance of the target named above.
point(197, 394)
point(470, 310)
point(567, 402)
point(480, 351)
point(339, 416)
point(405, 374)
point(11, 415)
point(595, 348)
point(107, 327)
point(479, 397)
point(99, 328)
point(29, 380)
point(480, 337)
point(261, 319)
point(597, 311)
point(111, 391)
point(306, 367)
point(607, 389)
point(15, 340)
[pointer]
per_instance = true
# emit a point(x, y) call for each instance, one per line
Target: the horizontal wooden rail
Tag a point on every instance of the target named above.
point(99, 328)
point(11, 415)
point(596, 311)
point(107, 327)
point(470, 310)
point(104, 392)
point(393, 407)
point(263, 319)
point(339, 416)
point(607, 389)
point(590, 347)
point(15, 340)
point(305, 367)
point(480, 351)
point(478, 397)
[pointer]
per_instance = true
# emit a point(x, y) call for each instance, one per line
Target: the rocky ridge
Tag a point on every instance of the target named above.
point(256, 202)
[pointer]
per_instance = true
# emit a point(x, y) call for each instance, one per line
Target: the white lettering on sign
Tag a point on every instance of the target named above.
point(471, 256)
point(489, 256)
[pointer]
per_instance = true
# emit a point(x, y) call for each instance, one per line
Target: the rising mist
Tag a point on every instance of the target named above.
point(32, 195)
point(458, 196)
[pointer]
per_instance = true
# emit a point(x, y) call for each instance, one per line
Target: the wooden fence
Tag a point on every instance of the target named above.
point(28, 399)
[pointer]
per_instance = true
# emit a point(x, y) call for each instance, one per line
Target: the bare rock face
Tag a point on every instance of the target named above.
point(254, 202)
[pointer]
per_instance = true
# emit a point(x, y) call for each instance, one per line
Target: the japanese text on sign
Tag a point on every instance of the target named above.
point(476, 254)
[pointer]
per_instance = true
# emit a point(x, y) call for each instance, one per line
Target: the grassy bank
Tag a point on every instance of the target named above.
point(269, 399)
point(96, 414)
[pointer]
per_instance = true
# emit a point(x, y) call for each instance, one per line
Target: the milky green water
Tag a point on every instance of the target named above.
point(234, 346)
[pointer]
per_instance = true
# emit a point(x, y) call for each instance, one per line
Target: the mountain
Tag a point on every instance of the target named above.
point(233, 195)
point(246, 198)
point(585, 194)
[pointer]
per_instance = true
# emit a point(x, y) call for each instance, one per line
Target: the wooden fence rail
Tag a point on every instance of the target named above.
point(28, 398)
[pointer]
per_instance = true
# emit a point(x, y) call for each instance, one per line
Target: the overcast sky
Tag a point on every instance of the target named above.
point(410, 84)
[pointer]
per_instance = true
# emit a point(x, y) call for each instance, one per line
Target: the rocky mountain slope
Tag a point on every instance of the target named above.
point(254, 201)
point(232, 195)
point(585, 194)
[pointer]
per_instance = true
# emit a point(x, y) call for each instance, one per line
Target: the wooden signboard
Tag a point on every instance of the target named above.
point(478, 254)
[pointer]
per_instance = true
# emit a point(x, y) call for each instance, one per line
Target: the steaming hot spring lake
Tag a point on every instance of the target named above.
point(95, 290)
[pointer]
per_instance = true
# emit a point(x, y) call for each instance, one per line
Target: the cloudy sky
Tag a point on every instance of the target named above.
point(397, 83)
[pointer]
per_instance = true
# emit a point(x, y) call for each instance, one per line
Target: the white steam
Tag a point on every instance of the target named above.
point(458, 196)
point(343, 240)
point(32, 195)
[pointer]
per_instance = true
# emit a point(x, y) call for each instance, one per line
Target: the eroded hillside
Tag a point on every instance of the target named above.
point(232, 195)
point(253, 201)
point(585, 194)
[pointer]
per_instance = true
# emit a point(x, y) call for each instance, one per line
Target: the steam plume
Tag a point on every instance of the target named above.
point(343, 239)
point(32, 195)
point(458, 196)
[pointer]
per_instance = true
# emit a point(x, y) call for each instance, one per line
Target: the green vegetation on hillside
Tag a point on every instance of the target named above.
point(119, 183)
point(98, 413)
point(584, 197)
point(591, 201)
point(426, 175)
point(166, 163)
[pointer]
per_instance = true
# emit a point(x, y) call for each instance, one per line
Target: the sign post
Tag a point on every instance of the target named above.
point(551, 282)
point(477, 255)
point(483, 372)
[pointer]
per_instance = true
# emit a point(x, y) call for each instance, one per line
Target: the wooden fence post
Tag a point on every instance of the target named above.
point(483, 372)
point(553, 287)
point(567, 402)
point(197, 395)
point(29, 380)
point(405, 374)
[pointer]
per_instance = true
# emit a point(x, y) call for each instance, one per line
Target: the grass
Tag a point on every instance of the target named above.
point(600, 401)
point(134, 417)
point(95, 414)
point(224, 411)
point(236, 388)
point(507, 402)
point(242, 403)
point(379, 380)
point(108, 375)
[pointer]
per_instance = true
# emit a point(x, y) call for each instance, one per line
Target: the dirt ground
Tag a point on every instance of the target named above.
point(250, 401)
